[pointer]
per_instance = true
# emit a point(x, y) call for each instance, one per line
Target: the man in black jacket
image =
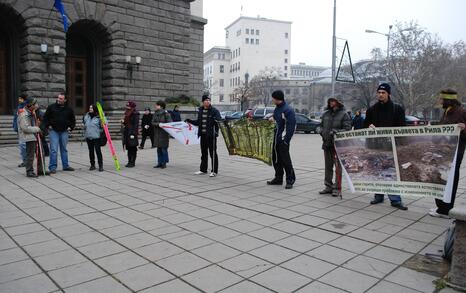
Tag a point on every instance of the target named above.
point(385, 113)
point(59, 119)
point(207, 118)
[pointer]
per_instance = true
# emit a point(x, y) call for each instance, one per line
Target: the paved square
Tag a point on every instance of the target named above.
point(153, 230)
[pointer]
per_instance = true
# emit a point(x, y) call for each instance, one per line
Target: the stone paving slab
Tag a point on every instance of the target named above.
point(152, 230)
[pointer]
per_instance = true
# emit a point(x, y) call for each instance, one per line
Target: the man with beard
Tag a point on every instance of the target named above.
point(453, 113)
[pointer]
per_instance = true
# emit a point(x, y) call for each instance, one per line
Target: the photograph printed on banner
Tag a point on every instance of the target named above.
point(425, 159)
point(368, 159)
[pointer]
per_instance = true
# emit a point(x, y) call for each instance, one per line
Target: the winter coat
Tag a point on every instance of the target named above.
point(358, 122)
point(213, 115)
point(27, 125)
point(453, 116)
point(333, 121)
point(285, 123)
point(176, 116)
point(147, 121)
point(59, 117)
point(15, 116)
point(92, 126)
point(131, 128)
point(385, 115)
point(161, 137)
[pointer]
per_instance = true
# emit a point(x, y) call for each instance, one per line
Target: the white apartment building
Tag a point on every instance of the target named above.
point(255, 44)
point(303, 71)
point(216, 74)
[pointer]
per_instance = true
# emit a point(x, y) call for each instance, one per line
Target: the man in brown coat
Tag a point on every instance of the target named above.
point(454, 114)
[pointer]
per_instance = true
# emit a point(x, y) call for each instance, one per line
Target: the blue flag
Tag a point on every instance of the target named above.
point(59, 6)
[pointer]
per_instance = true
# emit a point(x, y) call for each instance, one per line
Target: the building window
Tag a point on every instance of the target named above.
point(286, 60)
point(252, 31)
point(226, 34)
point(221, 83)
point(238, 33)
point(247, 31)
point(257, 32)
point(286, 35)
point(257, 41)
point(222, 69)
point(221, 98)
point(286, 67)
point(239, 51)
point(238, 65)
point(286, 52)
point(286, 74)
point(247, 40)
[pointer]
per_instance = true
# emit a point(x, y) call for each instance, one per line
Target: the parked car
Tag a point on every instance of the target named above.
point(414, 121)
point(234, 115)
point(307, 125)
point(223, 114)
point(260, 113)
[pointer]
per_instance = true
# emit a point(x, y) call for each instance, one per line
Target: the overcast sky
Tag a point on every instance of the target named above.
point(311, 30)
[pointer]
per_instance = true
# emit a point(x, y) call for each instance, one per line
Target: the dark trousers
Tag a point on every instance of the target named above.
point(94, 146)
point(132, 153)
point(144, 137)
point(31, 153)
point(282, 162)
point(208, 147)
point(330, 161)
point(443, 207)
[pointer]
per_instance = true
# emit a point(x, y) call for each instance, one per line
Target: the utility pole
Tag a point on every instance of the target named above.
point(334, 46)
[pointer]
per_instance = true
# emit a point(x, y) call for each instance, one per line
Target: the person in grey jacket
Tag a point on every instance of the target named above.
point(161, 137)
point(28, 130)
point(335, 119)
point(92, 131)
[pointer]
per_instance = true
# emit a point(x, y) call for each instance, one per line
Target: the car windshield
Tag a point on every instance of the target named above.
point(269, 110)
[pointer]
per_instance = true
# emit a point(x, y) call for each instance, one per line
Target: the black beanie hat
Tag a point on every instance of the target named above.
point(278, 95)
point(205, 97)
point(385, 87)
point(31, 101)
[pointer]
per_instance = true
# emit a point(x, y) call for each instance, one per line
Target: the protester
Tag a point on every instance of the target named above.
point(130, 125)
point(454, 113)
point(335, 119)
point(147, 130)
point(161, 137)
point(59, 119)
point(92, 132)
point(285, 125)
point(175, 113)
point(207, 118)
point(28, 131)
point(385, 113)
point(21, 144)
point(358, 121)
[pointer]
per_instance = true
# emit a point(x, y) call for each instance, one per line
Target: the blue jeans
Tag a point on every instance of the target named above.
point(22, 150)
point(162, 156)
point(58, 139)
point(394, 199)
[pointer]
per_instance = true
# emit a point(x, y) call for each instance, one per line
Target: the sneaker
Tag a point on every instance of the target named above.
point(275, 181)
point(433, 210)
point(92, 168)
point(326, 191)
point(200, 173)
point(437, 215)
point(213, 174)
point(68, 169)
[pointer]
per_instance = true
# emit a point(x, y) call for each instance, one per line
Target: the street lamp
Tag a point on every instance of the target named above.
point(387, 35)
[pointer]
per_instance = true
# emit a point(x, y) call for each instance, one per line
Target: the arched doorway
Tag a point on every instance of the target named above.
point(86, 44)
point(11, 31)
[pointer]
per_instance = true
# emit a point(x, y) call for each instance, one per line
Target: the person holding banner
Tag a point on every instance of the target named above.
point(335, 119)
point(385, 113)
point(92, 131)
point(285, 125)
point(454, 113)
point(207, 118)
point(161, 137)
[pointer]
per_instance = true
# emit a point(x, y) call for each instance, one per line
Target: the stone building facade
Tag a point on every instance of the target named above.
point(113, 51)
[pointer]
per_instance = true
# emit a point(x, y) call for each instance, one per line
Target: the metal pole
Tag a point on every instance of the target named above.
point(334, 46)
point(388, 41)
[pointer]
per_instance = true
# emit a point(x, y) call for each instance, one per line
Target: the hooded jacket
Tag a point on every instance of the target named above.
point(27, 125)
point(285, 123)
point(333, 121)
